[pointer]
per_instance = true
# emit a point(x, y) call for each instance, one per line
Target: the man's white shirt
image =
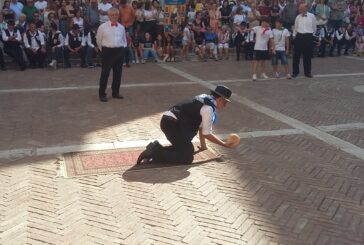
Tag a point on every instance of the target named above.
point(34, 44)
point(111, 36)
point(305, 24)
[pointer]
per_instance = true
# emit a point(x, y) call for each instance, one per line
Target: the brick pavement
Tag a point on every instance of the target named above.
point(270, 190)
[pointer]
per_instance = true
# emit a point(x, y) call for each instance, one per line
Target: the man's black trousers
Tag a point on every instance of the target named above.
point(302, 47)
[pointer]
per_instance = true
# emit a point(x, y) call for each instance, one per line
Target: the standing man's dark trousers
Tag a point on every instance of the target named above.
point(111, 58)
point(181, 150)
point(302, 46)
point(16, 53)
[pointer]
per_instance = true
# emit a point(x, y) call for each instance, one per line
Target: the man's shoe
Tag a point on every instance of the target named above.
point(148, 152)
point(294, 75)
point(309, 76)
point(117, 96)
point(103, 99)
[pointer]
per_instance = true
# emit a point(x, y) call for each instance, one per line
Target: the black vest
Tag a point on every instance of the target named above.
point(11, 43)
point(29, 37)
point(53, 39)
point(74, 41)
point(189, 117)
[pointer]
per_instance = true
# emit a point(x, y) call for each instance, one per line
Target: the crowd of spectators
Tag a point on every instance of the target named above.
point(42, 33)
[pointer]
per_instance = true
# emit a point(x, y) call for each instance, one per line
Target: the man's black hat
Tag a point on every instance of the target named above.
point(223, 91)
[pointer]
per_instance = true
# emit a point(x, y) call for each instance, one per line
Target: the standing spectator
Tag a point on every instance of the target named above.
point(159, 15)
point(3, 27)
point(71, 12)
point(104, 7)
point(78, 20)
point(17, 8)
point(91, 16)
point(305, 26)
point(75, 44)
point(22, 24)
point(360, 18)
point(263, 8)
point(191, 15)
point(239, 37)
point(225, 13)
point(55, 42)
point(41, 5)
point(139, 18)
point(137, 47)
point(35, 46)
point(63, 14)
point(215, 16)
point(12, 41)
point(223, 44)
point(253, 16)
point(199, 22)
point(337, 13)
point(264, 39)
point(150, 24)
point(159, 46)
point(289, 14)
point(239, 17)
point(249, 45)
point(274, 12)
point(211, 43)
point(29, 10)
point(322, 13)
point(127, 16)
point(281, 4)
point(111, 40)
point(8, 14)
point(92, 48)
point(281, 41)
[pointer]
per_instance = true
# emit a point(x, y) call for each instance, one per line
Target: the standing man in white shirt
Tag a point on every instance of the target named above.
point(111, 40)
point(104, 8)
point(304, 28)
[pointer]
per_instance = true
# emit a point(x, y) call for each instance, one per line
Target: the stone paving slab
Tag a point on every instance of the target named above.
point(233, 69)
point(44, 78)
point(77, 117)
point(277, 190)
point(355, 137)
point(318, 101)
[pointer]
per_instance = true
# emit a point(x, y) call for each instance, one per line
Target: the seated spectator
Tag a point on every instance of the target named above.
point(263, 8)
point(29, 10)
point(51, 18)
point(350, 39)
point(148, 48)
point(55, 42)
point(12, 42)
point(22, 24)
point(338, 41)
point(7, 12)
point(326, 38)
point(41, 5)
point(359, 45)
point(223, 45)
point(63, 16)
point(199, 38)
point(74, 44)
point(17, 8)
point(35, 46)
point(239, 17)
point(159, 45)
point(91, 16)
point(225, 12)
point(36, 19)
point(136, 45)
point(78, 20)
point(92, 48)
point(211, 43)
point(170, 48)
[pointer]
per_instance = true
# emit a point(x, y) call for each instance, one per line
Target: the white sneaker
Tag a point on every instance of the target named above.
point(288, 76)
point(254, 77)
point(277, 75)
point(264, 76)
point(137, 61)
point(143, 62)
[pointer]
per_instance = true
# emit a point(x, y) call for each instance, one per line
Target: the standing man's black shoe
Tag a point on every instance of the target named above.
point(294, 75)
point(117, 96)
point(103, 99)
point(309, 76)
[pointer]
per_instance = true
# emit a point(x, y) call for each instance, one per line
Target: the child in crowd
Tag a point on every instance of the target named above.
point(326, 37)
point(129, 54)
point(186, 41)
point(136, 47)
point(249, 45)
point(169, 49)
point(338, 40)
point(239, 37)
point(199, 38)
point(359, 44)
point(148, 48)
point(211, 43)
point(223, 45)
point(264, 38)
point(281, 42)
point(159, 45)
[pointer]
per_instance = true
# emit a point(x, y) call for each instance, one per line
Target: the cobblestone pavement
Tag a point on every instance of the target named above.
point(301, 187)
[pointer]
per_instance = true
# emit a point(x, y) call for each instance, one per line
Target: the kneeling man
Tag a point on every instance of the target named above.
point(181, 123)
